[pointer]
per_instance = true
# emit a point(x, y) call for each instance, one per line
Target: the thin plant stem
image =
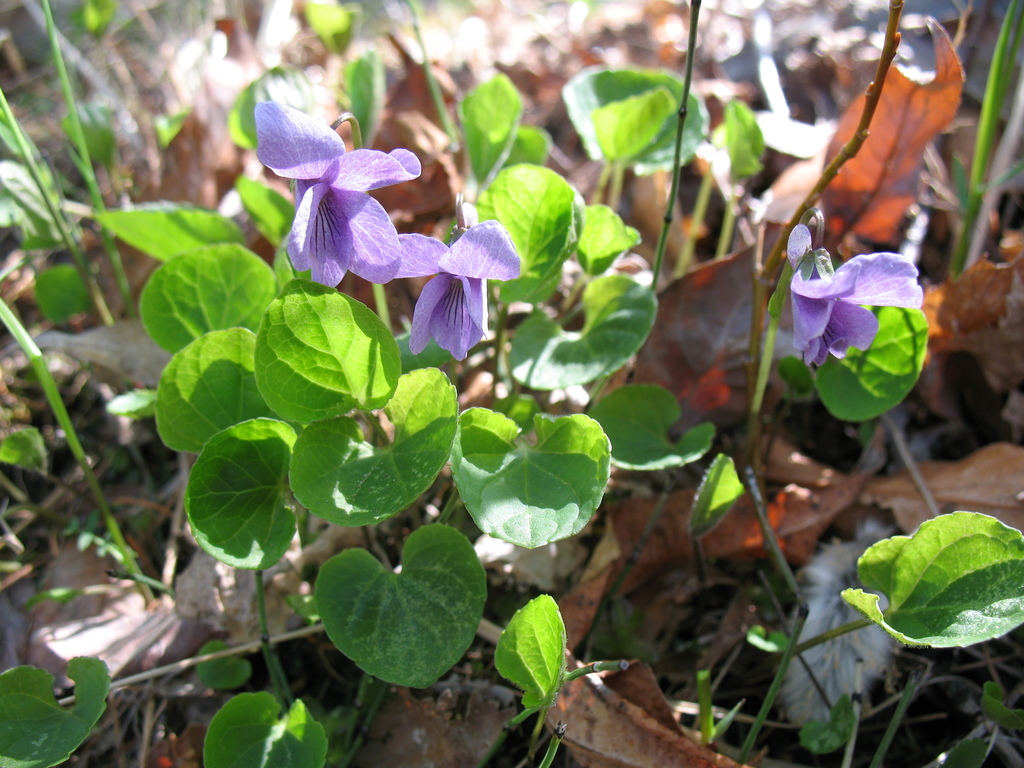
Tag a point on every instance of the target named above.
point(273, 661)
point(700, 209)
point(380, 300)
point(602, 184)
point(505, 730)
point(615, 191)
point(538, 729)
point(372, 695)
point(60, 412)
point(771, 543)
point(84, 162)
point(858, 696)
point(450, 505)
point(728, 224)
point(901, 709)
point(666, 222)
point(707, 715)
point(556, 741)
point(597, 666)
point(432, 85)
point(28, 155)
point(769, 699)
point(824, 637)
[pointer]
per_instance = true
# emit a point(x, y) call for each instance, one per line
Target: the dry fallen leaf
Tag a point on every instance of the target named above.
point(124, 348)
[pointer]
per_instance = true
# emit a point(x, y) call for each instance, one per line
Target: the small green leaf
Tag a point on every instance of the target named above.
point(407, 628)
point(743, 140)
point(719, 489)
point(35, 731)
point(432, 355)
point(164, 229)
point(38, 227)
point(319, 353)
point(531, 145)
point(24, 448)
point(636, 418)
point(237, 493)
point(992, 703)
point(284, 85)
point(625, 128)
point(207, 289)
point(97, 123)
point(490, 115)
point(60, 293)
point(247, 733)
point(773, 642)
point(270, 211)
point(956, 581)
point(208, 386)
point(366, 84)
point(543, 217)
point(605, 237)
point(340, 477)
point(520, 408)
point(867, 383)
point(526, 494)
point(225, 673)
point(797, 377)
point(970, 753)
point(168, 126)
point(95, 15)
point(821, 738)
point(332, 23)
point(136, 404)
point(531, 651)
point(619, 316)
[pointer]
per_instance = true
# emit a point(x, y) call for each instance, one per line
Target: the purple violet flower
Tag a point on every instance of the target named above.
point(452, 306)
point(827, 316)
point(338, 227)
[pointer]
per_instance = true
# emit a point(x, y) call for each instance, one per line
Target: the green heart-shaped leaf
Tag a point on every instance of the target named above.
point(407, 628)
point(531, 145)
point(284, 85)
point(821, 737)
point(531, 651)
point(24, 448)
point(208, 386)
point(237, 491)
point(35, 731)
point(605, 237)
point(207, 289)
point(319, 353)
point(743, 139)
point(166, 229)
point(490, 114)
point(270, 211)
point(867, 383)
point(719, 490)
point(247, 733)
point(625, 128)
point(337, 475)
point(619, 316)
point(956, 581)
point(60, 293)
point(637, 417)
point(543, 216)
point(224, 673)
point(530, 494)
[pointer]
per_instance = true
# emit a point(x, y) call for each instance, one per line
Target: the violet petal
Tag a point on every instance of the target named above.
point(483, 252)
point(810, 319)
point(420, 255)
point(375, 253)
point(849, 326)
point(293, 144)
point(364, 169)
point(799, 243)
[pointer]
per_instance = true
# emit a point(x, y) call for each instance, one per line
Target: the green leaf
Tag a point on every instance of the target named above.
point(332, 23)
point(237, 493)
point(97, 123)
point(319, 353)
point(285, 85)
point(597, 87)
point(35, 731)
point(530, 494)
point(490, 114)
point(340, 477)
point(773, 642)
point(821, 738)
point(135, 404)
point(60, 293)
point(619, 316)
point(95, 15)
point(719, 489)
point(520, 408)
point(432, 355)
point(366, 85)
point(625, 128)
point(543, 217)
point(208, 386)
point(164, 229)
point(956, 581)
point(867, 383)
point(38, 227)
point(531, 145)
point(636, 418)
point(270, 211)
point(24, 448)
point(531, 651)
point(970, 753)
point(797, 377)
point(605, 237)
point(247, 733)
point(225, 673)
point(207, 289)
point(407, 628)
point(168, 126)
point(992, 703)
point(743, 140)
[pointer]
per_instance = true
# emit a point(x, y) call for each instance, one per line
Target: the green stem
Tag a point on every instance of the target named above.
point(707, 715)
point(700, 209)
point(450, 505)
point(769, 700)
point(506, 729)
point(538, 729)
point(771, 543)
point(556, 741)
point(274, 668)
point(596, 666)
point(824, 637)
point(728, 224)
point(858, 697)
point(141, 579)
point(501, 366)
point(85, 163)
point(46, 192)
point(371, 697)
point(380, 300)
point(60, 412)
point(602, 183)
point(659, 251)
point(432, 85)
point(901, 709)
point(615, 192)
